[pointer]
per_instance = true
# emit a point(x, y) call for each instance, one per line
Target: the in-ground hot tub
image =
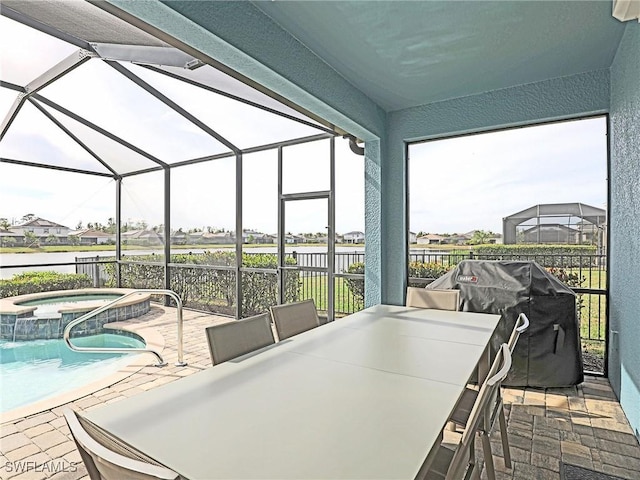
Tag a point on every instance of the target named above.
point(45, 315)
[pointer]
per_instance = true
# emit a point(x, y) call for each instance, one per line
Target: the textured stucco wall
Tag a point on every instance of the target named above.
point(373, 208)
point(624, 286)
point(555, 99)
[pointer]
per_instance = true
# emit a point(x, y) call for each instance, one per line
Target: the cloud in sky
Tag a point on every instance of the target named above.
point(472, 182)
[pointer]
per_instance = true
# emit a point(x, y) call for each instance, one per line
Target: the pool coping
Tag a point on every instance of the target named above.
point(9, 305)
point(153, 339)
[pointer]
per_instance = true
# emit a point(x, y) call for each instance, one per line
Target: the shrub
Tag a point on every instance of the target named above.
point(35, 282)
point(431, 270)
point(356, 285)
point(570, 279)
point(428, 270)
point(545, 255)
point(209, 288)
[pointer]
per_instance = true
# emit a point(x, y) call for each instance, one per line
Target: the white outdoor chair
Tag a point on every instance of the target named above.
point(103, 460)
point(233, 339)
point(294, 318)
point(437, 299)
point(461, 462)
point(522, 323)
point(462, 411)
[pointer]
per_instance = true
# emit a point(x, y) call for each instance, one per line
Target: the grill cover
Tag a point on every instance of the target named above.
point(548, 354)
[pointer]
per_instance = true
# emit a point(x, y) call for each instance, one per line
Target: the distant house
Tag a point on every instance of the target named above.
point(252, 236)
point(590, 233)
point(44, 230)
point(141, 237)
point(219, 238)
point(195, 238)
point(456, 239)
point(353, 237)
point(179, 238)
point(89, 236)
point(550, 233)
point(430, 239)
point(294, 239)
point(42, 227)
point(9, 238)
point(413, 237)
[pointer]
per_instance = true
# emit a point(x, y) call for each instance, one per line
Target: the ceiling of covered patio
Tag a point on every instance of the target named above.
point(405, 54)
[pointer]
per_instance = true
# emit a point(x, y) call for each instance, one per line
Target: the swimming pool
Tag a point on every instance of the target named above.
point(39, 369)
point(44, 315)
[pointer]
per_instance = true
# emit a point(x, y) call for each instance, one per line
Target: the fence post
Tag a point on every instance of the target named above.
point(96, 273)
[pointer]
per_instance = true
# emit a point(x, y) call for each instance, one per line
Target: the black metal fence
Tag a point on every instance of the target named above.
point(212, 288)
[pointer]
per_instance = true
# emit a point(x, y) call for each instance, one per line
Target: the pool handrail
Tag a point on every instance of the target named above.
point(93, 313)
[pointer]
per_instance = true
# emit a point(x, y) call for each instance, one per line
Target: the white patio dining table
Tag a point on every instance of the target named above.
point(364, 397)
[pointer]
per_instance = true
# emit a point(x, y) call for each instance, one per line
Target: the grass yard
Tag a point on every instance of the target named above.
point(315, 286)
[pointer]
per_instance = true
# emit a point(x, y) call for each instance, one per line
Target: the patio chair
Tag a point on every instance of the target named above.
point(103, 458)
point(463, 408)
point(522, 323)
point(233, 339)
point(294, 318)
point(461, 462)
point(437, 299)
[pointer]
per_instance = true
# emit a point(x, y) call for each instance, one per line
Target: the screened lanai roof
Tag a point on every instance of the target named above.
point(82, 90)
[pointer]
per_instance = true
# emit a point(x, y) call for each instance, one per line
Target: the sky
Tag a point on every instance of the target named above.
point(203, 195)
point(455, 185)
point(466, 183)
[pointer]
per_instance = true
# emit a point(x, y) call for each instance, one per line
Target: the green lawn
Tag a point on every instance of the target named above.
point(316, 287)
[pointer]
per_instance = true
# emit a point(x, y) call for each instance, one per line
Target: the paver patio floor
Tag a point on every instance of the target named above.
point(582, 425)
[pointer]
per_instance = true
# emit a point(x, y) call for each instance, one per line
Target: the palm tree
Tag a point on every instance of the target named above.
point(480, 237)
point(111, 225)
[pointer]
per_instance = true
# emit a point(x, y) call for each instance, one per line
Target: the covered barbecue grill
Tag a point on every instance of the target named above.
point(548, 354)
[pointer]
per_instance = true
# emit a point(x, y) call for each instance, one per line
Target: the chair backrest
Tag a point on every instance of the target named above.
point(103, 463)
point(294, 318)
point(233, 339)
point(437, 299)
point(481, 409)
point(522, 323)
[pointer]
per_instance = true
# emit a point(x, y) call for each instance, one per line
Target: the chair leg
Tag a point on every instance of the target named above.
point(488, 456)
point(473, 468)
point(504, 437)
point(475, 473)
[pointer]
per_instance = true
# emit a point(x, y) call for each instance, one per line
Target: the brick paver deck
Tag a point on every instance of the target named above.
point(582, 425)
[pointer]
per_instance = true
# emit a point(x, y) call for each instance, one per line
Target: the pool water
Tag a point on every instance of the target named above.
point(38, 369)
